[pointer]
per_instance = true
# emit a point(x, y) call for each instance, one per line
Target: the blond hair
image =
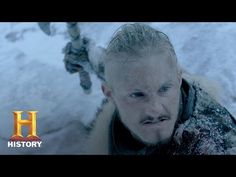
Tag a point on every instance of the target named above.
point(132, 41)
point(131, 38)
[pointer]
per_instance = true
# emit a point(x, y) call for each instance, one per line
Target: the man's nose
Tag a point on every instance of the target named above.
point(154, 107)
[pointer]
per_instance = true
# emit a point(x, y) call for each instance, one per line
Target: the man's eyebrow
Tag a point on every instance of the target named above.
point(169, 82)
point(137, 90)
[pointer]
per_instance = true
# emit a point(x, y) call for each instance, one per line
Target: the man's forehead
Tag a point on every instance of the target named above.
point(154, 68)
point(154, 59)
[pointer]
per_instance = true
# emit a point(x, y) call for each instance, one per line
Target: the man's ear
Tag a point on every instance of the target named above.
point(107, 91)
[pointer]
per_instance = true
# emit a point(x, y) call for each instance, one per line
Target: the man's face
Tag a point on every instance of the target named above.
point(146, 93)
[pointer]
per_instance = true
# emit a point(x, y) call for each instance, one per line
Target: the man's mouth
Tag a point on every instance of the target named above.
point(152, 121)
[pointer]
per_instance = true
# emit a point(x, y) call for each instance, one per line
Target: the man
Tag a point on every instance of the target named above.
point(151, 108)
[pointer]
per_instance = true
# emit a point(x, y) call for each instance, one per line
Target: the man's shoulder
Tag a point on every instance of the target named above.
point(210, 128)
point(205, 107)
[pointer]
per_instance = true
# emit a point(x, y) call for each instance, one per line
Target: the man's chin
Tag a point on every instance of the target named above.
point(155, 142)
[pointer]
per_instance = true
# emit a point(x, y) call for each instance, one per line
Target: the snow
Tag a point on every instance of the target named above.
point(33, 77)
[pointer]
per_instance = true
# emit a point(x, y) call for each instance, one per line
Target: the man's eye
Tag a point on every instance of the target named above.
point(164, 89)
point(137, 95)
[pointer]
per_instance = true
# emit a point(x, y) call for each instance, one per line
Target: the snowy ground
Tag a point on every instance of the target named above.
point(32, 76)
